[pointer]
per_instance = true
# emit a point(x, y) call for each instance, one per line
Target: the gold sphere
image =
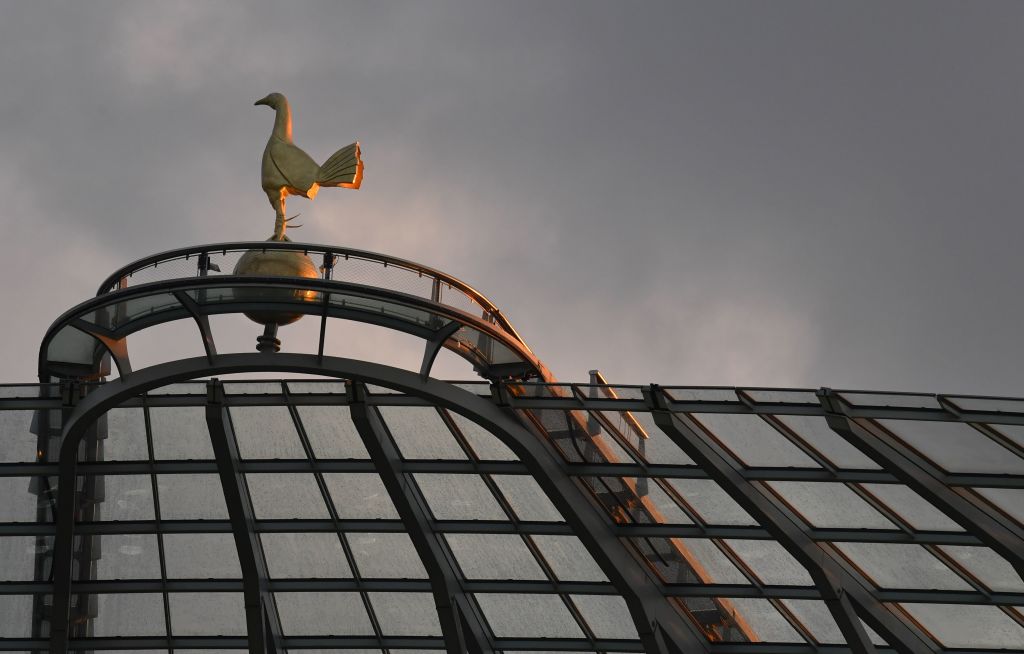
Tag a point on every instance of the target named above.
point(276, 263)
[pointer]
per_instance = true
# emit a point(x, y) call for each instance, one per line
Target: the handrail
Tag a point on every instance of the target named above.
point(113, 281)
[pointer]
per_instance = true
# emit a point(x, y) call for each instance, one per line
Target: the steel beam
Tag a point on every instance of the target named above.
point(264, 627)
point(464, 631)
point(927, 481)
point(840, 590)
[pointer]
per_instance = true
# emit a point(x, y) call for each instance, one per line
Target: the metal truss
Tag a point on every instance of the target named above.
point(842, 590)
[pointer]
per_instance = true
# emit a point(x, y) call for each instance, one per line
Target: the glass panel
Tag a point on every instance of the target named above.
point(568, 558)
point(814, 615)
point(526, 498)
point(406, 614)
point(70, 345)
point(956, 447)
point(266, 432)
point(658, 448)
point(528, 616)
point(286, 495)
point(359, 496)
point(902, 566)
point(459, 497)
point(991, 569)
point(754, 441)
point(829, 504)
point(180, 432)
point(128, 556)
point(817, 433)
point(191, 497)
point(957, 625)
point(606, 615)
point(912, 508)
point(305, 556)
point(763, 396)
point(712, 502)
point(703, 394)
point(15, 616)
point(201, 556)
point(316, 387)
point(126, 436)
point(770, 561)
point(386, 556)
point(892, 400)
point(1010, 500)
point(659, 505)
point(17, 442)
point(18, 556)
point(420, 433)
point(988, 405)
point(128, 497)
point(20, 502)
point(486, 445)
point(322, 614)
point(208, 614)
point(252, 388)
point(1014, 432)
point(331, 432)
point(713, 565)
point(494, 556)
point(137, 614)
point(765, 621)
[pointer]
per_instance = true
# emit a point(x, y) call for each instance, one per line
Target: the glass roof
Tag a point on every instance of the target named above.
point(356, 523)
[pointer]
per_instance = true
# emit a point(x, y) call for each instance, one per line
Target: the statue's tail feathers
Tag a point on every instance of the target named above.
point(344, 168)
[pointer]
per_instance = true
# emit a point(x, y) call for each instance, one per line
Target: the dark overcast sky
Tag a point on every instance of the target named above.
point(759, 193)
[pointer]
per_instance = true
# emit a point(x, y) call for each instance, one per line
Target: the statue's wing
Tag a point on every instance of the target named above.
point(297, 167)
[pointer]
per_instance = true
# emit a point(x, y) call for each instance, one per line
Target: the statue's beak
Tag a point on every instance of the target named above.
point(263, 101)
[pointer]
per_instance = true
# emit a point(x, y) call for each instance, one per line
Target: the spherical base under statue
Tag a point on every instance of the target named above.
point(276, 263)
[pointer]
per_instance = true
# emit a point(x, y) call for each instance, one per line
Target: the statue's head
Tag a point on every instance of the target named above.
point(274, 101)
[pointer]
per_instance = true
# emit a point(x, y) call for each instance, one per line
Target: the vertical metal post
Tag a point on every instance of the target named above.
point(261, 616)
point(463, 632)
point(839, 589)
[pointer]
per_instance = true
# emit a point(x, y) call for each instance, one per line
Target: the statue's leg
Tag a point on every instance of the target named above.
point(277, 201)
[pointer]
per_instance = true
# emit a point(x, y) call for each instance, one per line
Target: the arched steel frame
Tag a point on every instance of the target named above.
point(662, 629)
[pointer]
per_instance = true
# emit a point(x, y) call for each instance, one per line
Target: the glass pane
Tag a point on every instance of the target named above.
point(902, 566)
point(712, 502)
point(180, 432)
point(754, 441)
point(331, 432)
point(286, 495)
point(957, 625)
point(956, 447)
point(317, 387)
point(658, 448)
point(526, 498)
point(814, 615)
point(912, 508)
point(406, 614)
point(323, 614)
point(266, 432)
point(386, 556)
point(126, 436)
point(15, 616)
point(128, 497)
point(606, 615)
point(991, 569)
point(828, 504)
point(18, 556)
point(20, 502)
point(528, 616)
point(459, 497)
point(765, 621)
point(359, 496)
point(137, 614)
point(191, 497)
point(17, 442)
point(817, 433)
point(420, 433)
point(1010, 500)
point(771, 562)
point(208, 614)
point(568, 558)
point(486, 445)
point(659, 505)
point(711, 563)
point(128, 556)
point(201, 556)
point(494, 556)
point(305, 556)
point(252, 388)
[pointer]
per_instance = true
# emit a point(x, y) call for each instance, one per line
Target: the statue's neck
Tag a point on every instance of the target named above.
point(283, 123)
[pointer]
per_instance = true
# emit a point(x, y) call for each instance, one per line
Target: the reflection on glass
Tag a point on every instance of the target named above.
point(535, 616)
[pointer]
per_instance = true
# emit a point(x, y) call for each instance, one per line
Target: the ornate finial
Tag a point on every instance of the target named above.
point(287, 170)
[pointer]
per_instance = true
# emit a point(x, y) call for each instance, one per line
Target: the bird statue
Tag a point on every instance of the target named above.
point(288, 170)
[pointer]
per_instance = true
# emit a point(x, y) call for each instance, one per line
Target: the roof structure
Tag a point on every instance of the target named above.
point(380, 509)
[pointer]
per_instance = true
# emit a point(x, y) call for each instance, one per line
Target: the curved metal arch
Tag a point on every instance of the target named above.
point(73, 316)
point(661, 628)
point(112, 282)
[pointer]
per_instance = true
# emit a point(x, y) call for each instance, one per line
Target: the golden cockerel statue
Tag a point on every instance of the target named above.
point(287, 170)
